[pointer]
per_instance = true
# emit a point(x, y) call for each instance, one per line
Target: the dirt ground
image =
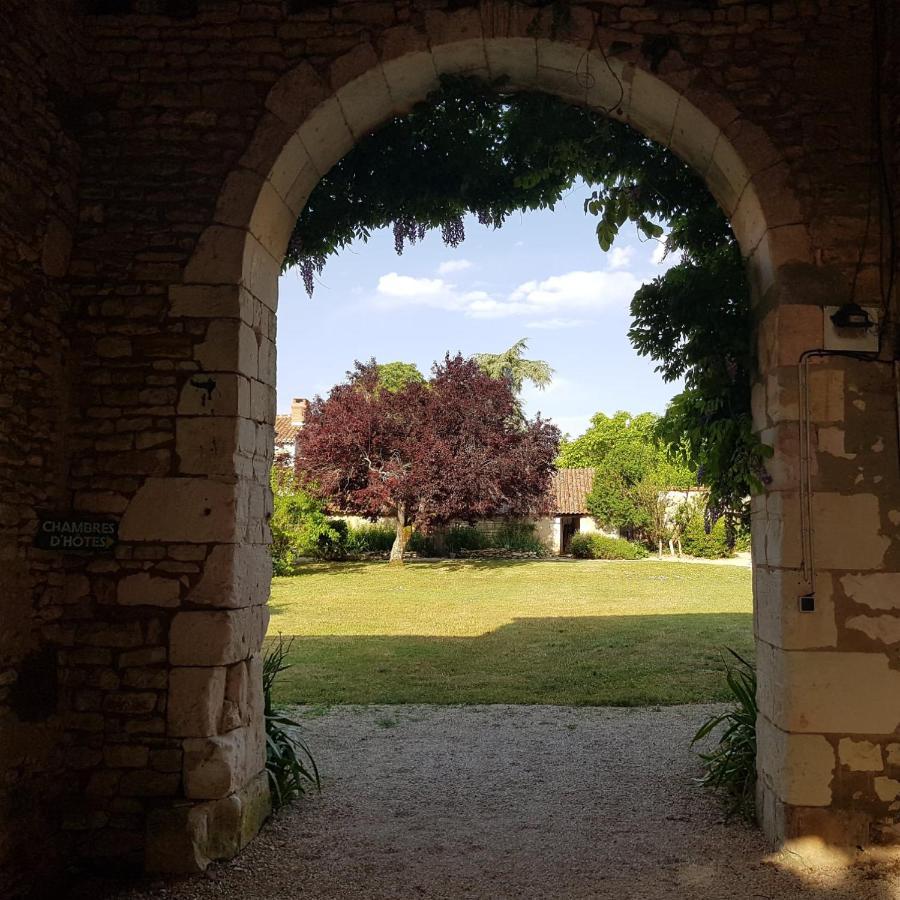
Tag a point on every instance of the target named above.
point(514, 802)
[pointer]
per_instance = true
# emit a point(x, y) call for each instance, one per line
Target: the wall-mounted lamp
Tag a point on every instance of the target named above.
point(851, 315)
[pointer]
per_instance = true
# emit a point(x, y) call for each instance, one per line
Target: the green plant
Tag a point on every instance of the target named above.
point(290, 765)
point(299, 525)
point(369, 539)
point(602, 546)
point(467, 537)
point(581, 546)
point(697, 541)
point(422, 544)
point(518, 537)
point(731, 764)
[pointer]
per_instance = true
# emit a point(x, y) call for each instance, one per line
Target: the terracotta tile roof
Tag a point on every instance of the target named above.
point(285, 432)
point(570, 488)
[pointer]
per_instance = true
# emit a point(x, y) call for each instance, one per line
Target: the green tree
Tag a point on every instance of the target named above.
point(633, 471)
point(512, 365)
point(394, 376)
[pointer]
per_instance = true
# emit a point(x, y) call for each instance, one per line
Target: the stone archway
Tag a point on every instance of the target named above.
point(195, 169)
point(312, 120)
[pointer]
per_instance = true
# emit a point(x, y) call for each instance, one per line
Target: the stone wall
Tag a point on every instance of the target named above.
point(39, 164)
point(199, 139)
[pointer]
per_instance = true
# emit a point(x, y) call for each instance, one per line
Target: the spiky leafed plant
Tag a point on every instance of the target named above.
point(289, 763)
point(731, 764)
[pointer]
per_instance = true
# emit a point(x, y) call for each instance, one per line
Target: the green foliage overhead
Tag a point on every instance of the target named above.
point(474, 147)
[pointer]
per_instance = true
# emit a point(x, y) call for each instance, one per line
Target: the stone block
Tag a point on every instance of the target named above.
point(514, 58)
point(747, 218)
point(777, 535)
point(652, 106)
point(326, 135)
point(860, 756)
point(272, 221)
point(694, 138)
point(877, 590)
point(296, 94)
point(207, 445)
point(218, 256)
point(144, 589)
point(409, 78)
point(798, 767)
point(217, 766)
point(183, 510)
point(260, 272)
point(229, 346)
point(216, 638)
point(883, 629)
point(779, 620)
point(235, 575)
point(848, 531)
point(238, 197)
point(215, 394)
point(206, 301)
point(828, 692)
point(366, 102)
point(195, 701)
point(466, 57)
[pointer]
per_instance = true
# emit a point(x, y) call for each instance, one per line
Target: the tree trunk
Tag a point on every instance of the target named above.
point(399, 538)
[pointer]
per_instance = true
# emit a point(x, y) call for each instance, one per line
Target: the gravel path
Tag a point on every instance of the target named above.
point(512, 802)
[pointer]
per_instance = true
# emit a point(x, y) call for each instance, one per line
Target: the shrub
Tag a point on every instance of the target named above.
point(742, 541)
point(422, 544)
point(519, 537)
point(290, 765)
point(465, 537)
point(731, 764)
point(602, 546)
point(369, 539)
point(581, 546)
point(697, 542)
point(321, 537)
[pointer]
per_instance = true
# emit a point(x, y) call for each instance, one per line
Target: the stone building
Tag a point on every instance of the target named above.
point(153, 159)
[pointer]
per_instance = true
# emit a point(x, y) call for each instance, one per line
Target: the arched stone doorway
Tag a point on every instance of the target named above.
point(179, 342)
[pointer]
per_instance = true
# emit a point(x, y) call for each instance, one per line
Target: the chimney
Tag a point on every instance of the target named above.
point(299, 406)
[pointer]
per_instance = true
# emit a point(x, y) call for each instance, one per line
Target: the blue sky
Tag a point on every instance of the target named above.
point(542, 277)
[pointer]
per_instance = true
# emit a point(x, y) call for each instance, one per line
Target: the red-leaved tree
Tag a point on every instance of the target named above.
point(454, 447)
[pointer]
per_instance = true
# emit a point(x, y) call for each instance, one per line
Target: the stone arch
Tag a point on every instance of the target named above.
point(310, 121)
point(228, 291)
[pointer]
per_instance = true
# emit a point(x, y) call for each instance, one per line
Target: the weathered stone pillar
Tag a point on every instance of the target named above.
point(826, 574)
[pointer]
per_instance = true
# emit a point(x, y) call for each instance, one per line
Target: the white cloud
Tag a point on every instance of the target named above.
point(619, 257)
point(394, 285)
point(555, 324)
point(454, 265)
point(541, 300)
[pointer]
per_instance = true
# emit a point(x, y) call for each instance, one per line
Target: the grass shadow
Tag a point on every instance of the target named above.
point(570, 660)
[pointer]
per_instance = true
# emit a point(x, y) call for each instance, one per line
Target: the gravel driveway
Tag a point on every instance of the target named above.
point(513, 802)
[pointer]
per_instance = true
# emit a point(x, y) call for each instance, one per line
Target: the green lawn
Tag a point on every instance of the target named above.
point(572, 632)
